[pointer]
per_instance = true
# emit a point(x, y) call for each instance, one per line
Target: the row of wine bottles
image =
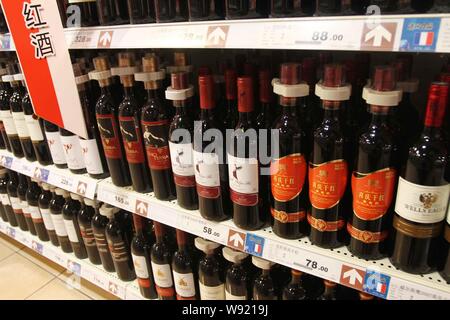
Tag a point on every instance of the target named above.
point(113, 12)
point(166, 268)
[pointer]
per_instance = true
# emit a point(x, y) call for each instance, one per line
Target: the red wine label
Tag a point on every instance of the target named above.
point(327, 183)
point(285, 217)
point(373, 193)
point(325, 226)
point(287, 176)
point(207, 174)
point(366, 236)
point(243, 177)
point(156, 142)
point(131, 140)
point(110, 136)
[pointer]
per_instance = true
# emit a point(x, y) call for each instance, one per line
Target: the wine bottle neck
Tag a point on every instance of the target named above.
point(153, 93)
point(206, 114)
point(245, 117)
point(296, 278)
point(105, 90)
point(128, 91)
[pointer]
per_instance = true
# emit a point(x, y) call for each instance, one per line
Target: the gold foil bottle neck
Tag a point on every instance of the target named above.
point(180, 59)
point(126, 59)
point(150, 64)
point(101, 64)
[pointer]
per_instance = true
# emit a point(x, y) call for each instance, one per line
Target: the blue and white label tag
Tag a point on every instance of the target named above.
point(420, 34)
point(376, 283)
point(254, 245)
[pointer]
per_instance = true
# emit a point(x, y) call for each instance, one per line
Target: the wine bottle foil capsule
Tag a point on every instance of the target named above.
point(206, 90)
point(245, 94)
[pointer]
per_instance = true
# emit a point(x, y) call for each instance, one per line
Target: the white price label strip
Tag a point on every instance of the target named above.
point(81, 39)
point(116, 196)
point(65, 182)
point(132, 292)
point(405, 290)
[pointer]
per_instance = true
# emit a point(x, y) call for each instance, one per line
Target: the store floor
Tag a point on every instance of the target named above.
point(25, 275)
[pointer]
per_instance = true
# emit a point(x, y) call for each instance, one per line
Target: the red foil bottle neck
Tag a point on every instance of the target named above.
point(159, 229)
point(137, 219)
point(206, 90)
point(437, 103)
point(265, 86)
point(245, 94)
point(230, 84)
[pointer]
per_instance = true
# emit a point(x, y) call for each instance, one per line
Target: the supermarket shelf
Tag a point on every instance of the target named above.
point(379, 278)
point(83, 184)
point(82, 268)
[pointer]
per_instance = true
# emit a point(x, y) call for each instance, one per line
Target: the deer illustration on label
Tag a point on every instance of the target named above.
point(207, 175)
point(182, 164)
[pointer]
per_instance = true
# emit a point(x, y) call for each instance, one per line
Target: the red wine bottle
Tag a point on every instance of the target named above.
point(180, 146)
point(12, 187)
point(6, 203)
point(375, 174)
point(70, 216)
point(392, 6)
point(263, 285)
point(246, 9)
point(56, 206)
point(288, 170)
point(243, 169)
point(108, 124)
point(44, 209)
point(155, 120)
point(85, 216)
point(129, 119)
point(294, 290)
point(210, 168)
point(200, 10)
point(5, 90)
point(72, 151)
point(99, 223)
point(210, 274)
point(22, 188)
point(237, 276)
point(140, 251)
point(330, 291)
point(84, 10)
point(328, 168)
point(289, 8)
point(112, 12)
point(230, 117)
point(161, 257)
point(445, 272)
point(310, 112)
point(35, 128)
point(171, 10)
point(184, 269)
point(55, 145)
point(141, 11)
point(423, 193)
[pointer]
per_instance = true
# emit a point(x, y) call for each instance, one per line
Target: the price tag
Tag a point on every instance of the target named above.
point(26, 168)
point(121, 200)
point(116, 289)
point(205, 229)
point(2, 227)
point(11, 232)
point(406, 290)
point(65, 182)
point(132, 292)
point(73, 266)
point(80, 39)
point(38, 247)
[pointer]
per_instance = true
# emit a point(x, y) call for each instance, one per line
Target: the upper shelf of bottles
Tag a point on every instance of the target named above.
point(411, 33)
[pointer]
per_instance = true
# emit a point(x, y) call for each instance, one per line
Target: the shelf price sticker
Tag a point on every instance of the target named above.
point(74, 267)
point(254, 244)
point(132, 292)
point(208, 230)
point(41, 174)
point(117, 198)
point(65, 182)
point(80, 39)
point(38, 247)
point(11, 232)
point(400, 289)
point(116, 289)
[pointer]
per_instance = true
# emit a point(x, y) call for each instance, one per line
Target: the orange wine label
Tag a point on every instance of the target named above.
point(366, 236)
point(165, 292)
point(322, 225)
point(327, 183)
point(144, 283)
point(373, 193)
point(287, 177)
point(285, 217)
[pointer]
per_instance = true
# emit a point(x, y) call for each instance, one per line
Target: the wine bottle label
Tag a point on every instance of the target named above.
point(417, 231)
point(287, 177)
point(8, 122)
point(73, 152)
point(21, 127)
point(71, 232)
point(212, 293)
point(229, 296)
point(325, 226)
point(34, 127)
point(88, 236)
point(288, 217)
point(119, 251)
point(100, 240)
point(25, 210)
point(140, 266)
point(35, 214)
point(207, 174)
point(110, 136)
point(373, 193)
point(16, 205)
point(48, 222)
point(327, 183)
point(156, 139)
point(182, 161)
point(131, 140)
point(56, 147)
point(162, 275)
point(184, 284)
point(5, 199)
point(91, 156)
point(244, 180)
point(366, 236)
point(421, 204)
point(60, 227)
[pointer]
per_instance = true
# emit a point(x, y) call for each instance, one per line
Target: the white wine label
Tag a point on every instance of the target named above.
point(35, 213)
point(5, 199)
point(212, 293)
point(207, 169)
point(162, 275)
point(91, 156)
point(15, 203)
point(229, 296)
point(72, 150)
point(421, 204)
point(71, 232)
point(182, 159)
point(21, 127)
point(48, 222)
point(34, 127)
point(8, 122)
point(24, 205)
point(243, 174)
point(56, 147)
point(184, 284)
point(140, 266)
point(58, 222)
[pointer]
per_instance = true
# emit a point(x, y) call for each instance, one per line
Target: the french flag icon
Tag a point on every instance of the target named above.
point(381, 288)
point(424, 38)
point(257, 248)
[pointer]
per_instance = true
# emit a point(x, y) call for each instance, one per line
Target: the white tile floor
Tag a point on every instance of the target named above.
point(29, 276)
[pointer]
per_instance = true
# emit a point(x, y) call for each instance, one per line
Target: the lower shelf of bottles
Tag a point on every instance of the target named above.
point(81, 268)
